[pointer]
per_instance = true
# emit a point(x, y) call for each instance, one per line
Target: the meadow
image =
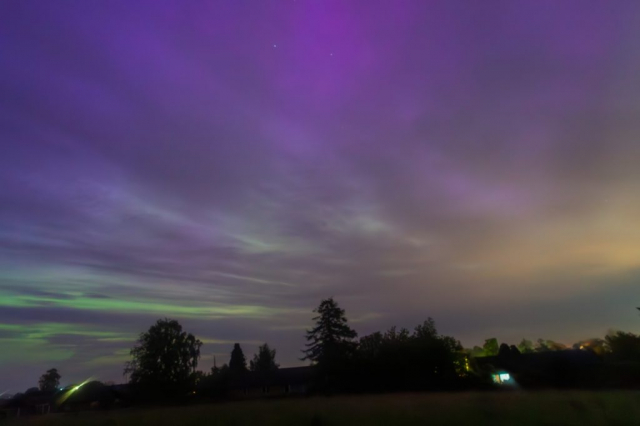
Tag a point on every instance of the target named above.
point(483, 408)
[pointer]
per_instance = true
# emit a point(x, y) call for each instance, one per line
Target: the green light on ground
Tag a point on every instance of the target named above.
point(68, 393)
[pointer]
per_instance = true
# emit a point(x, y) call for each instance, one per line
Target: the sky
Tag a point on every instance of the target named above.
point(229, 164)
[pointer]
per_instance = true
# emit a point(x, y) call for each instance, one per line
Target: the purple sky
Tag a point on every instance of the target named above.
point(231, 163)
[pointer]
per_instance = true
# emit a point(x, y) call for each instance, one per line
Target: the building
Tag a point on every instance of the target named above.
point(565, 368)
point(280, 382)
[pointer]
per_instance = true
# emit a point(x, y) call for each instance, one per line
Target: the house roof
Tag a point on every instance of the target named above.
point(30, 399)
point(540, 359)
point(279, 377)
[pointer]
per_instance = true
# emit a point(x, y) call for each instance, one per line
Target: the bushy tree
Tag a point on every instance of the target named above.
point(331, 339)
point(526, 346)
point(491, 347)
point(383, 348)
point(436, 358)
point(548, 345)
point(371, 345)
point(220, 370)
point(410, 361)
point(165, 354)
point(264, 360)
point(597, 346)
point(216, 383)
point(504, 351)
point(238, 362)
point(50, 380)
point(477, 351)
point(623, 346)
point(514, 350)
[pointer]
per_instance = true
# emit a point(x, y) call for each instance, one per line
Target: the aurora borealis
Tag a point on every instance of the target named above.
point(229, 164)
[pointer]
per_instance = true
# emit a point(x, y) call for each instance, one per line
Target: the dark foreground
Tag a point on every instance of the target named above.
point(489, 408)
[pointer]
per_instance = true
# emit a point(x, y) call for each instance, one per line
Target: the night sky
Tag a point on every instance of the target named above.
point(231, 163)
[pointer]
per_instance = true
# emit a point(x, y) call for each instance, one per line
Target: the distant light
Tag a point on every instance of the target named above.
point(68, 393)
point(500, 378)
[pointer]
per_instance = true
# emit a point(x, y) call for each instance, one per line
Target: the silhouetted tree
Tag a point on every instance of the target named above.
point(217, 383)
point(514, 350)
point(264, 360)
point(426, 330)
point(623, 346)
point(597, 346)
point(50, 380)
point(238, 362)
point(548, 345)
point(219, 370)
point(164, 355)
point(215, 369)
point(477, 351)
point(453, 350)
point(504, 351)
point(526, 346)
point(402, 361)
point(491, 347)
point(331, 339)
point(198, 376)
point(370, 346)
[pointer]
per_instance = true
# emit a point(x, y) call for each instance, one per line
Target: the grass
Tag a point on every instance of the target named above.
point(488, 408)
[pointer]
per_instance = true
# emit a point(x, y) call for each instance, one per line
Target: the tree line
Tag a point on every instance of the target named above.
point(616, 346)
point(166, 356)
point(397, 359)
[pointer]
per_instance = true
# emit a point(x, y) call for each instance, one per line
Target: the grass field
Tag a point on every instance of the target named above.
point(514, 408)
